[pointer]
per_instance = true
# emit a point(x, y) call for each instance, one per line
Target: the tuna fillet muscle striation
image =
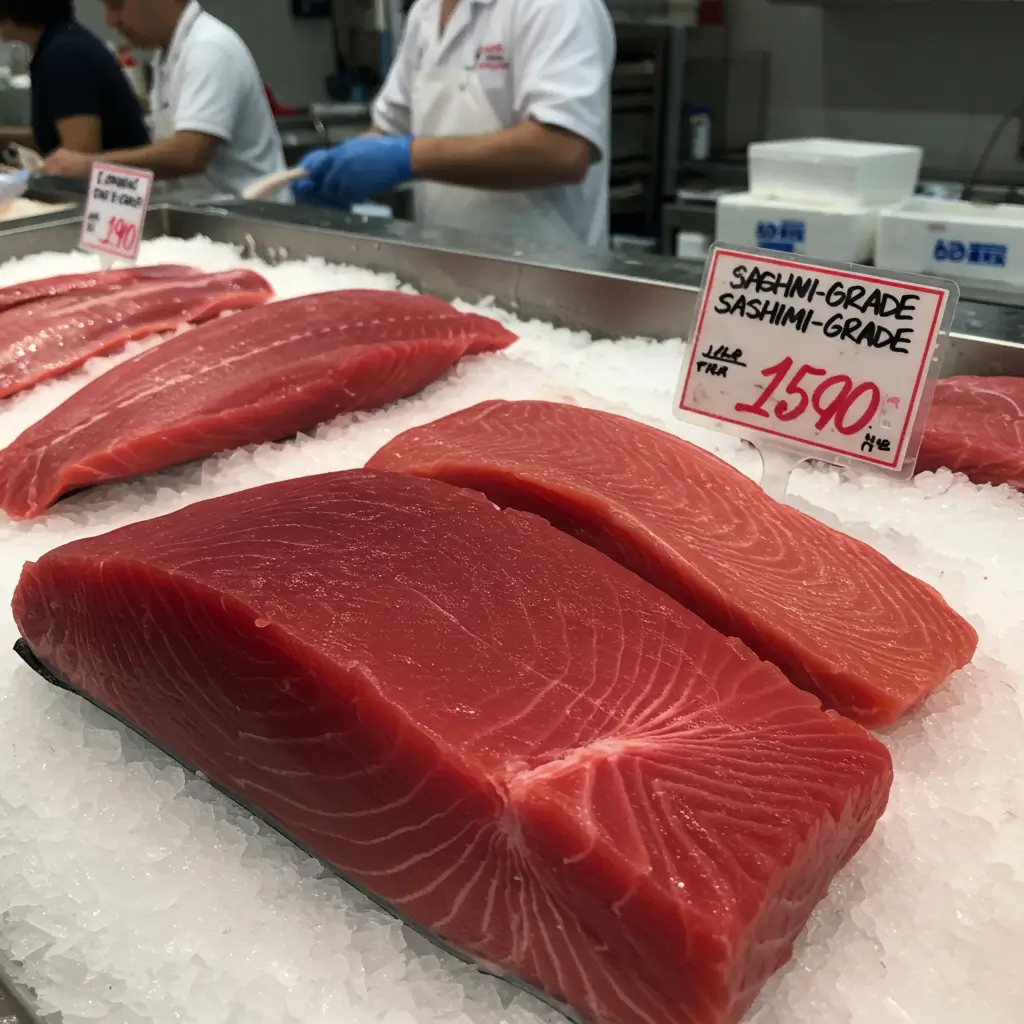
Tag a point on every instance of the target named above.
point(835, 615)
point(46, 339)
point(976, 427)
point(262, 375)
point(97, 282)
point(515, 741)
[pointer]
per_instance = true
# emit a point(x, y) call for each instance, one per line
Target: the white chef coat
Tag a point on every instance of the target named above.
point(500, 63)
point(207, 81)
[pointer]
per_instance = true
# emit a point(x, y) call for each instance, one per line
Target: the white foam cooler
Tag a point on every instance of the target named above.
point(953, 239)
point(841, 232)
point(834, 170)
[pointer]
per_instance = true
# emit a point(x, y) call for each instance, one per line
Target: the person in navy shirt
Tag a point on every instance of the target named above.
point(81, 99)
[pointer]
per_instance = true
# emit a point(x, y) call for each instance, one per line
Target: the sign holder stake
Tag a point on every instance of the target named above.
point(776, 468)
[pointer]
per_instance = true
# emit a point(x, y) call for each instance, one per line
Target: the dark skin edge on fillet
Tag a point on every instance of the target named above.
point(23, 649)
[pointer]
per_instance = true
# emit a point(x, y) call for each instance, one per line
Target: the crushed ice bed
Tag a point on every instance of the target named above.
point(131, 892)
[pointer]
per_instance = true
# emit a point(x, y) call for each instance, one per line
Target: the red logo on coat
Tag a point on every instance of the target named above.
point(491, 58)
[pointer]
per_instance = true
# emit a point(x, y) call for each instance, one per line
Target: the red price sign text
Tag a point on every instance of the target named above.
point(827, 361)
point(121, 235)
point(836, 400)
point(115, 211)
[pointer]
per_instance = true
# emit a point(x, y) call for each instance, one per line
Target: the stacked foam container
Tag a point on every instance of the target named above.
point(966, 241)
point(818, 197)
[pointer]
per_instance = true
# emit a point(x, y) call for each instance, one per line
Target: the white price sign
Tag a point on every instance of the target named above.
point(115, 211)
point(829, 361)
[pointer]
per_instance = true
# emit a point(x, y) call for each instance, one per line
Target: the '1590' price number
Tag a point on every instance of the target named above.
point(836, 400)
point(121, 234)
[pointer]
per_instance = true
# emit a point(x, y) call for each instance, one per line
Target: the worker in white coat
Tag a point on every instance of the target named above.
point(498, 111)
point(212, 121)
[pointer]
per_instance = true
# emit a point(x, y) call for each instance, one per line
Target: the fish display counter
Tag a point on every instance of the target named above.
point(300, 727)
point(44, 197)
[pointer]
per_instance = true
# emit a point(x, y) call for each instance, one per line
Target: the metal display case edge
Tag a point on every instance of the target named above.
point(607, 294)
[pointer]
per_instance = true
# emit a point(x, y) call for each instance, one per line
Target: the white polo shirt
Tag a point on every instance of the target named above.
point(207, 81)
point(546, 60)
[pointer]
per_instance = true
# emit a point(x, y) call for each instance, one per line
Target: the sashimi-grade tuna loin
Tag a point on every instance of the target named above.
point(507, 736)
point(259, 376)
point(835, 615)
point(976, 427)
point(45, 339)
point(97, 282)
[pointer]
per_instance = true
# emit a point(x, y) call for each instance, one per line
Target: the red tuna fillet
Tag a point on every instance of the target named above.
point(976, 427)
point(513, 740)
point(46, 339)
point(259, 376)
point(82, 285)
point(836, 616)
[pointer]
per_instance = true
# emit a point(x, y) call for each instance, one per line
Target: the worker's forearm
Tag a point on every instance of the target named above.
point(166, 158)
point(527, 156)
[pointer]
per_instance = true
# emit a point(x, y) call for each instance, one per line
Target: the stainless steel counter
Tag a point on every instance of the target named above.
point(608, 294)
point(578, 287)
point(982, 312)
point(325, 124)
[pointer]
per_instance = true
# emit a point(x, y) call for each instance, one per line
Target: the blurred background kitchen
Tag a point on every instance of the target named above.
point(698, 88)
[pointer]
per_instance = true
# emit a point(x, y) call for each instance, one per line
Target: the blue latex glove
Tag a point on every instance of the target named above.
point(303, 189)
point(355, 171)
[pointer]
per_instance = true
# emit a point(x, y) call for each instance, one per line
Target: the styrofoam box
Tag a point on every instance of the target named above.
point(828, 232)
point(950, 238)
point(692, 245)
point(834, 170)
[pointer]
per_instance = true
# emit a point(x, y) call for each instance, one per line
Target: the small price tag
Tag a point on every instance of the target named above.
point(115, 211)
point(829, 361)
